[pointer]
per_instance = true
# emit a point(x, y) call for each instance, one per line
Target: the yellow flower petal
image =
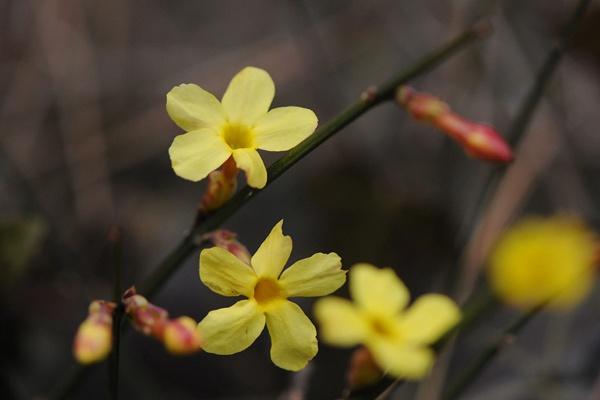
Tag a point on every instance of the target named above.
point(541, 259)
point(378, 291)
point(318, 275)
point(248, 96)
point(231, 330)
point(283, 128)
point(273, 253)
point(226, 274)
point(340, 322)
point(197, 153)
point(400, 360)
point(192, 108)
point(429, 318)
point(249, 160)
point(293, 336)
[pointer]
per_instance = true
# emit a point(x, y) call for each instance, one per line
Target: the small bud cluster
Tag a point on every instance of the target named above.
point(179, 335)
point(480, 141)
point(93, 340)
point(227, 240)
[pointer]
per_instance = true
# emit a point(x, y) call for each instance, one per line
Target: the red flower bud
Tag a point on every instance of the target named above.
point(181, 336)
point(227, 240)
point(478, 140)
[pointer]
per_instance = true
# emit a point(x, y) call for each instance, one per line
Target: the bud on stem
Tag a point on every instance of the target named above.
point(480, 141)
point(179, 336)
point(93, 340)
point(227, 240)
point(221, 186)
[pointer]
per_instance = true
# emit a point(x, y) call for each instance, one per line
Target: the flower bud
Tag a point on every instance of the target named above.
point(93, 340)
point(227, 240)
point(478, 140)
point(181, 336)
point(422, 106)
point(145, 316)
point(363, 370)
point(221, 186)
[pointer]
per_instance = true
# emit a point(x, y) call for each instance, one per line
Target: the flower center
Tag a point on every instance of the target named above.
point(266, 290)
point(383, 327)
point(237, 136)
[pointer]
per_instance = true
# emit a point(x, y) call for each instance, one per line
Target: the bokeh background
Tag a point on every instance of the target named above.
point(83, 148)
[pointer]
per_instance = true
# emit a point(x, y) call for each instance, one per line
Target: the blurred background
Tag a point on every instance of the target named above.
point(83, 148)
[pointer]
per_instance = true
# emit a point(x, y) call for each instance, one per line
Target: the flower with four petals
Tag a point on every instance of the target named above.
point(233, 329)
point(235, 127)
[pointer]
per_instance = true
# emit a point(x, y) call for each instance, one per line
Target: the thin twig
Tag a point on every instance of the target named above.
point(489, 353)
point(116, 260)
point(368, 100)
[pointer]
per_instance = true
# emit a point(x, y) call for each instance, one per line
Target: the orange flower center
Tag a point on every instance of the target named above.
point(266, 291)
point(237, 136)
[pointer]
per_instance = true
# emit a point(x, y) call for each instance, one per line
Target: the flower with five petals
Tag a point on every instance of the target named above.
point(233, 329)
point(235, 127)
point(398, 338)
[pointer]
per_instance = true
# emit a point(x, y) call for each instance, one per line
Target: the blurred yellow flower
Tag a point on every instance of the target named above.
point(236, 126)
point(233, 329)
point(398, 338)
point(544, 259)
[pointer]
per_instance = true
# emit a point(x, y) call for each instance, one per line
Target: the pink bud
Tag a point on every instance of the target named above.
point(227, 240)
point(478, 140)
point(363, 370)
point(181, 336)
point(145, 316)
point(221, 186)
point(93, 340)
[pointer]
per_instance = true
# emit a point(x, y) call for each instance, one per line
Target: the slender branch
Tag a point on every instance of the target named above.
point(489, 353)
point(116, 260)
point(368, 100)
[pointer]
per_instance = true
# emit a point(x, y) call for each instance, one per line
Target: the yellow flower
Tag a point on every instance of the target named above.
point(397, 338)
point(293, 336)
point(544, 259)
point(236, 126)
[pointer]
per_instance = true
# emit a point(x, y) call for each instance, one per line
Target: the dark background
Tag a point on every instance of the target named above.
point(83, 147)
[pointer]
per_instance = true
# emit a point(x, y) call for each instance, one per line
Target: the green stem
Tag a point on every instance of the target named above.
point(116, 260)
point(489, 353)
point(368, 100)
